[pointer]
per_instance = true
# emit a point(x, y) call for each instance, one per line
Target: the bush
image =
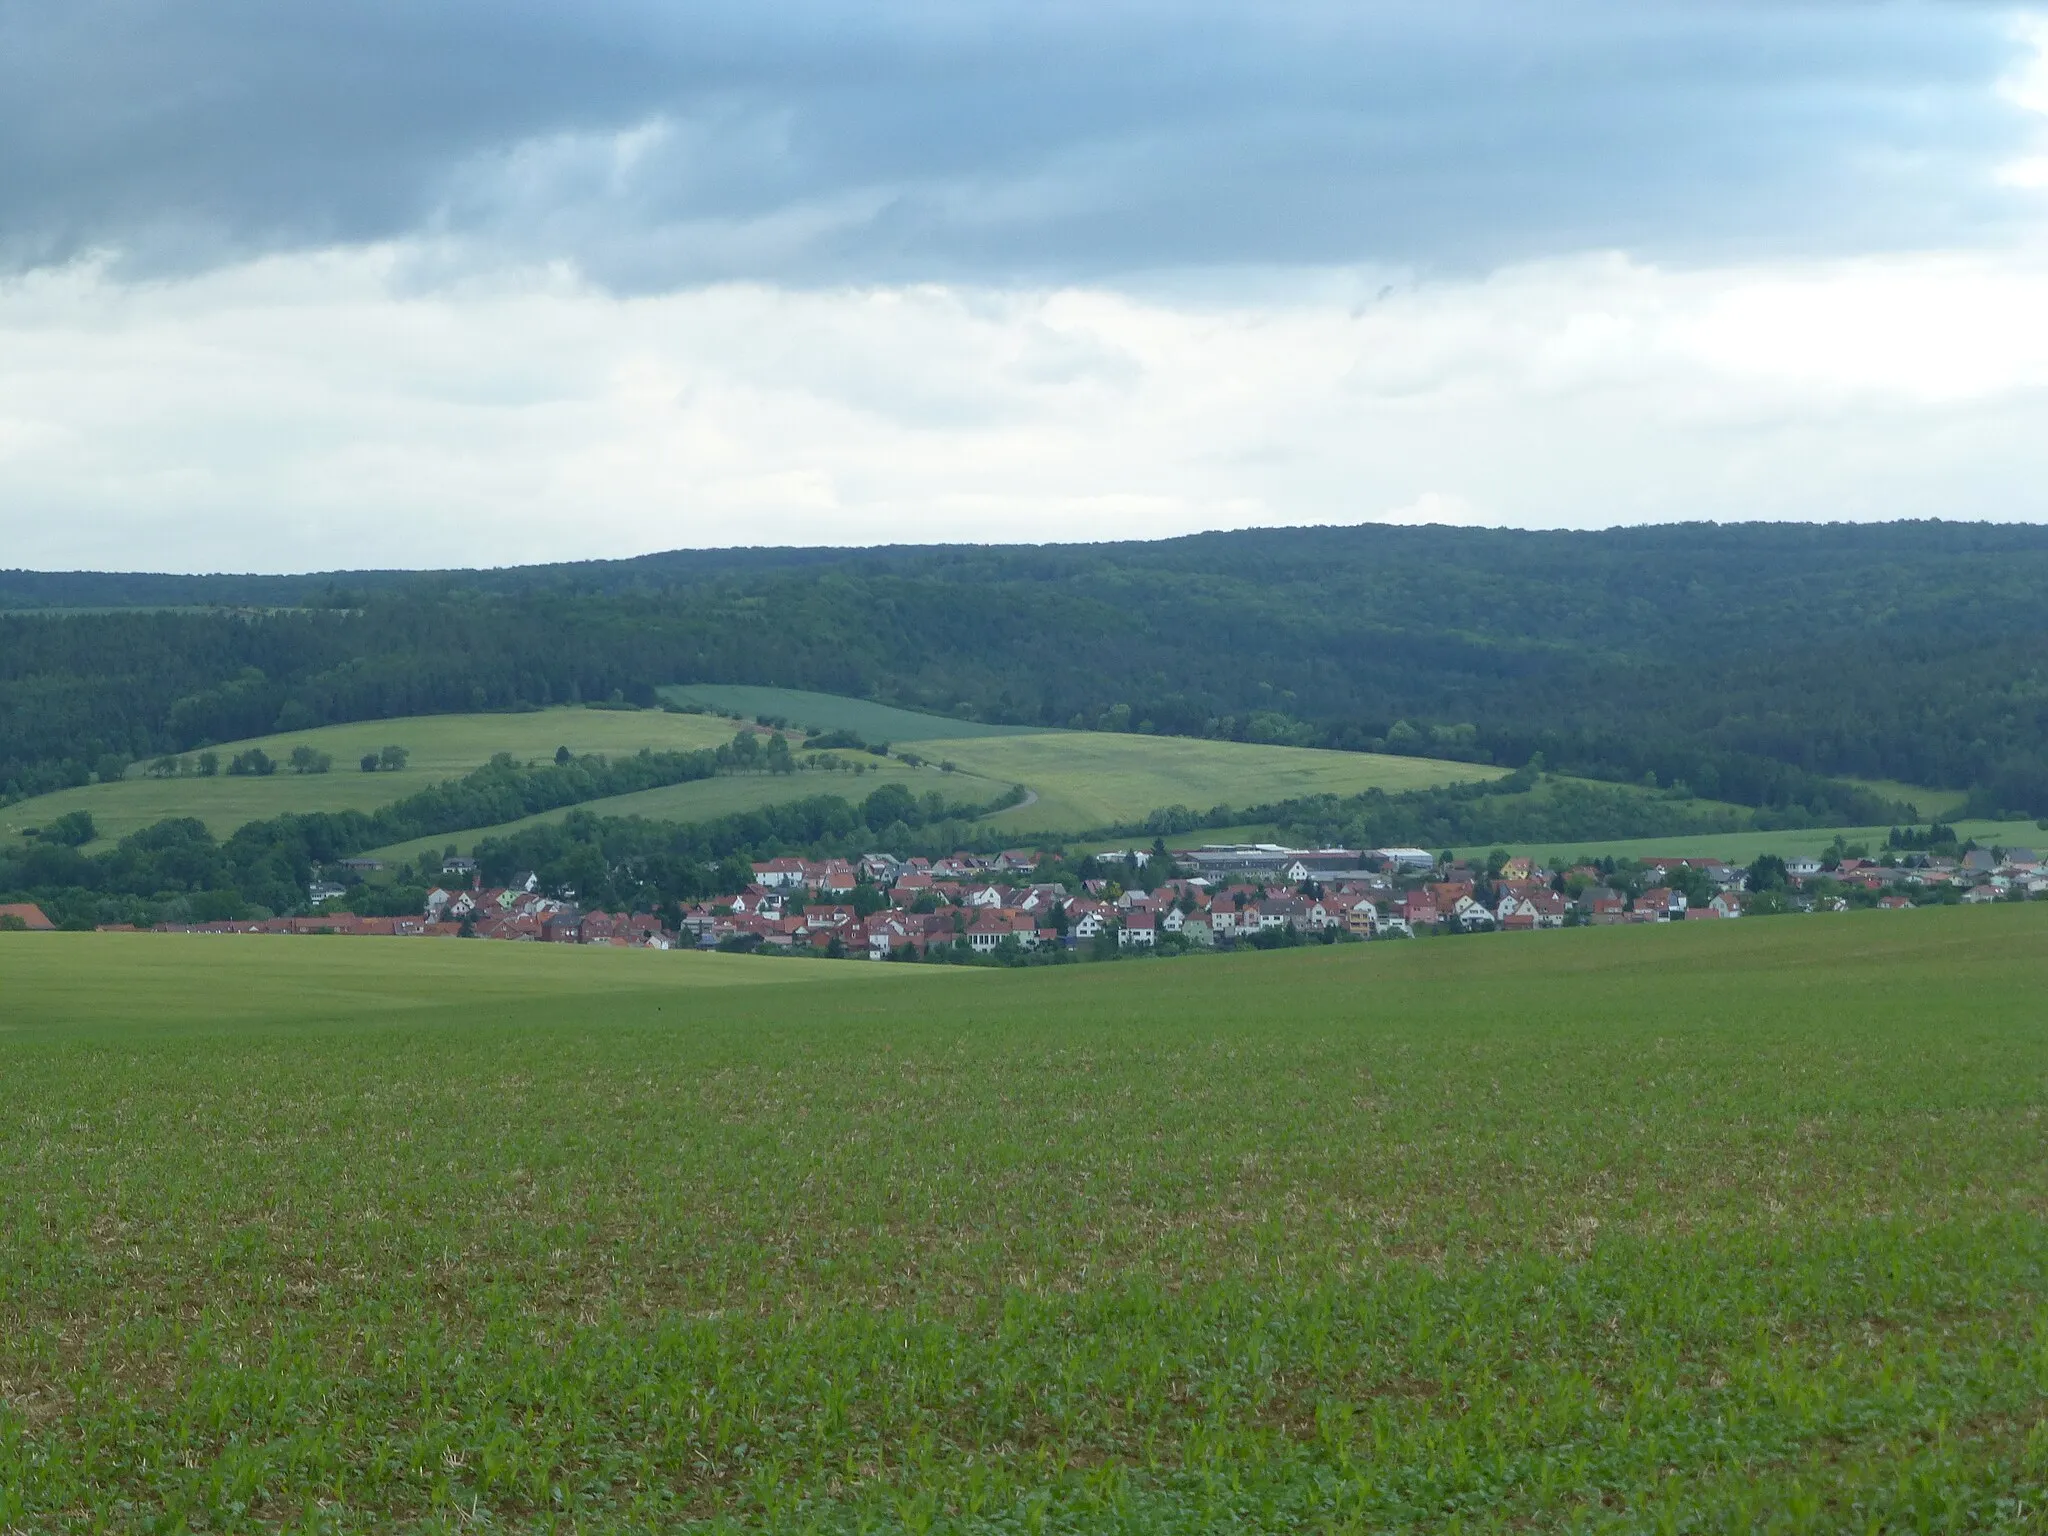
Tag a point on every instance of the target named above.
point(73, 829)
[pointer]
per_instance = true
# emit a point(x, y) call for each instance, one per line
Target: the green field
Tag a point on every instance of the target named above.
point(1728, 1227)
point(705, 798)
point(830, 712)
point(1932, 804)
point(1742, 847)
point(441, 747)
point(1081, 779)
point(1095, 778)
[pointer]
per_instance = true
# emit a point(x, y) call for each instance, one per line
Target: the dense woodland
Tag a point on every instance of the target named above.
point(1750, 663)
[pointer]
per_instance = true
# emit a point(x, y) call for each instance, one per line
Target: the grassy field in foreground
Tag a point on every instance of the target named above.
point(1729, 1227)
point(1741, 847)
point(831, 712)
point(1094, 778)
point(440, 747)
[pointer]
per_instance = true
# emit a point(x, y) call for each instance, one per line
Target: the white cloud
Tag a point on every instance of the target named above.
point(335, 410)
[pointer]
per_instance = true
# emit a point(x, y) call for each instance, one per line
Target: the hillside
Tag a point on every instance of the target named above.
point(807, 710)
point(437, 747)
point(1760, 664)
point(1092, 779)
point(1077, 780)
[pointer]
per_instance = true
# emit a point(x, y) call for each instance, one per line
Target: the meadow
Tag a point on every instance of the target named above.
point(1078, 780)
point(438, 747)
point(833, 712)
point(1718, 1227)
point(703, 799)
point(1095, 778)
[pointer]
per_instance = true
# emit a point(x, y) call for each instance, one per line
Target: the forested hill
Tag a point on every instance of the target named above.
point(1742, 659)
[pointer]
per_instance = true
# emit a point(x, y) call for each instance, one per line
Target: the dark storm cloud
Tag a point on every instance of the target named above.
point(659, 144)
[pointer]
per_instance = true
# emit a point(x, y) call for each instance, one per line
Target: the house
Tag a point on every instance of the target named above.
point(1417, 910)
point(1274, 913)
point(1660, 904)
point(1139, 931)
point(1471, 914)
point(525, 881)
point(1804, 867)
point(1196, 929)
point(1895, 903)
point(1520, 867)
point(26, 913)
point(1362, 918)
point(779, 874)
point(457, 866)
point(1606, 911)
point(1727, 904)
point(1977, 895)
point(992, 927)
point(1446, 894)
point(1979, 861)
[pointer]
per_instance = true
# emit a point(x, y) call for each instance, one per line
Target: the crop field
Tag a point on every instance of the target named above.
point(439, 747)
point(1718, 1227)
point(832, 712)
point(1741, 847)
point(1095, 778)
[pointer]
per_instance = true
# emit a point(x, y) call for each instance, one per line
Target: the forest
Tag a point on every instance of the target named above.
point(1753, 663)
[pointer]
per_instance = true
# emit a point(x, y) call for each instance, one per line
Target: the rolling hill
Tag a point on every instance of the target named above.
point(438, 747)
point(1761, 664)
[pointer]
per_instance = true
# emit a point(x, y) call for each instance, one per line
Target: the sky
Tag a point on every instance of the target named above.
point(404, 283)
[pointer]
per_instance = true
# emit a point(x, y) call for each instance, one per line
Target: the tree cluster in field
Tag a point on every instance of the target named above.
point(1754, 664)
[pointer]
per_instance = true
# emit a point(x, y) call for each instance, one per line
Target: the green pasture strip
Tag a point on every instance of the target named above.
point(1932, 804)
point(1742, 847)
point(438, 747)
point(830, 712)
point(1724, 1227)
point(704, 799)
point(1090, 779)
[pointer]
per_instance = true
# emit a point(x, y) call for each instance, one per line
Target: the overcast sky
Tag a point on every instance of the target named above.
point(406, 284)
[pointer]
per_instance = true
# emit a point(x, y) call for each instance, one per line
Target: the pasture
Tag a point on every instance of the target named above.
point(703, 799)
point(1714, 1227)
point(1093, 778)
point(832, 712)
point(438, 747)
point(1081, 780)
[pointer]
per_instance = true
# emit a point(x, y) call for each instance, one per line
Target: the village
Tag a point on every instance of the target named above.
point(967, 906)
